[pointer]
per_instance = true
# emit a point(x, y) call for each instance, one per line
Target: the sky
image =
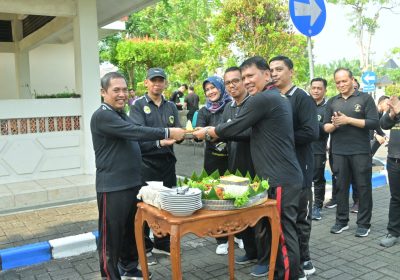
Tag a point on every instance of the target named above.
point(335, 42)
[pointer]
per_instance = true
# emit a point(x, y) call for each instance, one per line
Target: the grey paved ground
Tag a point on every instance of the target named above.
point(342, 256)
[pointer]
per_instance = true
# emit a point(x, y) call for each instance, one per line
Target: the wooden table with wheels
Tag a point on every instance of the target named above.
point(204, 223)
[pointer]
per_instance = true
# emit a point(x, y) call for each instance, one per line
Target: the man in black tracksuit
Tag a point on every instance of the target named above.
point(348, 118)
point(391, 120)
point(118, 178)
point(318, 91)
point(239, 155)
point(158, 158)
point(306, 130)
point(268, 113)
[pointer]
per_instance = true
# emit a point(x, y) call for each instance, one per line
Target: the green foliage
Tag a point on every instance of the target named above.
point(258, 27)
point(178, 20)
point(392, 90)
point(137, 55)
point(326, 72)
point(63, 94)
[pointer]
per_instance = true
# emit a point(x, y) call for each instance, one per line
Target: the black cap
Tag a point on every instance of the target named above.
point(156, 72)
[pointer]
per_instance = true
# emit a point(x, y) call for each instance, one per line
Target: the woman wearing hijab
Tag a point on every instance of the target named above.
point(215, 155)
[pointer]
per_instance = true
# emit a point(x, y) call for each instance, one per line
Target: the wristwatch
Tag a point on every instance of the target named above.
point(208, 137)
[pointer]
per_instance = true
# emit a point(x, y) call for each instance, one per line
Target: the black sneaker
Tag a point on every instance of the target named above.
point(354, 208)
point(336, 228)
point(308, 268)
point(164, 251)
point(362, 232)
point(151, 259)
point(133, 274)
point(244, 259)
point(302, 276)
point(316, 213)
point(331, 204)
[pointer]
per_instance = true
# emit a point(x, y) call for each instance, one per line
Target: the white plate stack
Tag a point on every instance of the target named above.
point(181, 204)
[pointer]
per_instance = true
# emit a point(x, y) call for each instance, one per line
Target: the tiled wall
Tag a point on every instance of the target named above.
point(39, 125)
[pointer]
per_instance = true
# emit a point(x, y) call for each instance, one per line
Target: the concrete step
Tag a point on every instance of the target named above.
point(46, 192)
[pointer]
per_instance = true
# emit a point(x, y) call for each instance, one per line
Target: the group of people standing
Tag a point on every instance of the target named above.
point(257, 121)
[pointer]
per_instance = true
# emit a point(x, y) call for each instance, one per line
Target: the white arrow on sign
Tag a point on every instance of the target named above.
point(303, 9)
point(370, 78)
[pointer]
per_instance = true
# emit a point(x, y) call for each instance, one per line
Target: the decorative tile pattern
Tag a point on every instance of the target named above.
point(14, 126)
point(42, 125)
point(68, 123)
point(77, 125)
point(4, 127)
point(32, 125)
point(23, 126)
point(60, 123)
point(50, 124)
point(35, 125)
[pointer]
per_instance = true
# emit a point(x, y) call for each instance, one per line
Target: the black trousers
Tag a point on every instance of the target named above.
point(393, 168)
point(116, 244)
point(354, 193)
point(319, 179)
point(158, 168)
point(288, 259)
point(303, 223)
point(358, 167)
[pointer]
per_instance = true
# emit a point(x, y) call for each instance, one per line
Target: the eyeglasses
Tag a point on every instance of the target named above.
point(233, 82)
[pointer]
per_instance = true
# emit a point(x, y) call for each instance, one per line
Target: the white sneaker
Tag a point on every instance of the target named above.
point(222, 249)
point(239, 242)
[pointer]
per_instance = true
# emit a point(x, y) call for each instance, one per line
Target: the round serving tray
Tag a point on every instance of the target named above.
point(209, 204)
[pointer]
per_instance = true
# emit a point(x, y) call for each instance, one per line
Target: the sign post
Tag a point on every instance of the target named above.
point(309, 17)
point(369, 79)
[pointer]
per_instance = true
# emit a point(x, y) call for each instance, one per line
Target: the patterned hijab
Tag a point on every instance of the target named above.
point(224, 98)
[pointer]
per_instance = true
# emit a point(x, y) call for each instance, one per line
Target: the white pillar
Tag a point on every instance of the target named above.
point(22, 70)
point(87, 73)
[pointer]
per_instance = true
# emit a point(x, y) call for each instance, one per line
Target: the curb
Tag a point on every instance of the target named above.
point(41, 252)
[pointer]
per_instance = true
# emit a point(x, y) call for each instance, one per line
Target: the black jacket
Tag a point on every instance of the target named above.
point(116, 148)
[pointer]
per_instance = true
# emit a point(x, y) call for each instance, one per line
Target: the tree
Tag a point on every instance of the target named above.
point(179, 20)
point(135, 55)
point(259, 27)
point(364, 17)
point(326, 72)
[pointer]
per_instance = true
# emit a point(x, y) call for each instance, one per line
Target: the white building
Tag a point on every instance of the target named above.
point(50, 46)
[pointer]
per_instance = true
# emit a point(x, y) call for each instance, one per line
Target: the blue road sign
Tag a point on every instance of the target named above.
point(368, 88)
point(308, 16)
point(368, 78)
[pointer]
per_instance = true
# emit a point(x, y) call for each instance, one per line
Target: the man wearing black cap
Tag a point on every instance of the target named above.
point(158, 158)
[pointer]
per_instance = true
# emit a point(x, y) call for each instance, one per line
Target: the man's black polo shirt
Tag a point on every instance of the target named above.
point(348, 139)
point(319, 146)
point(145, 113)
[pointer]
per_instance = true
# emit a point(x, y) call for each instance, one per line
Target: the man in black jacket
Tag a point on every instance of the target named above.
point(269, 115)
point(318, 91)
point(306, 130)
point(158, 158)
point(118, 178)
point(349, 117)
point(391, 120)
point(177, 95)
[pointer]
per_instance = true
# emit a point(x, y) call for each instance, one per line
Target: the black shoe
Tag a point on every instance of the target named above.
point(164, 251)
point(331, 204)
point(244, 259)
point(362, 232)
point(336, 228)
point(151, 259)
point(316, 213)
point(308, 268)
point(133, 274)
point(354, 208)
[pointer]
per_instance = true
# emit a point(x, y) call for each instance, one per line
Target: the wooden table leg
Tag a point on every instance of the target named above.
point(231, 256)
point(275, 230)
point(175, 240)
point(139, 236)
